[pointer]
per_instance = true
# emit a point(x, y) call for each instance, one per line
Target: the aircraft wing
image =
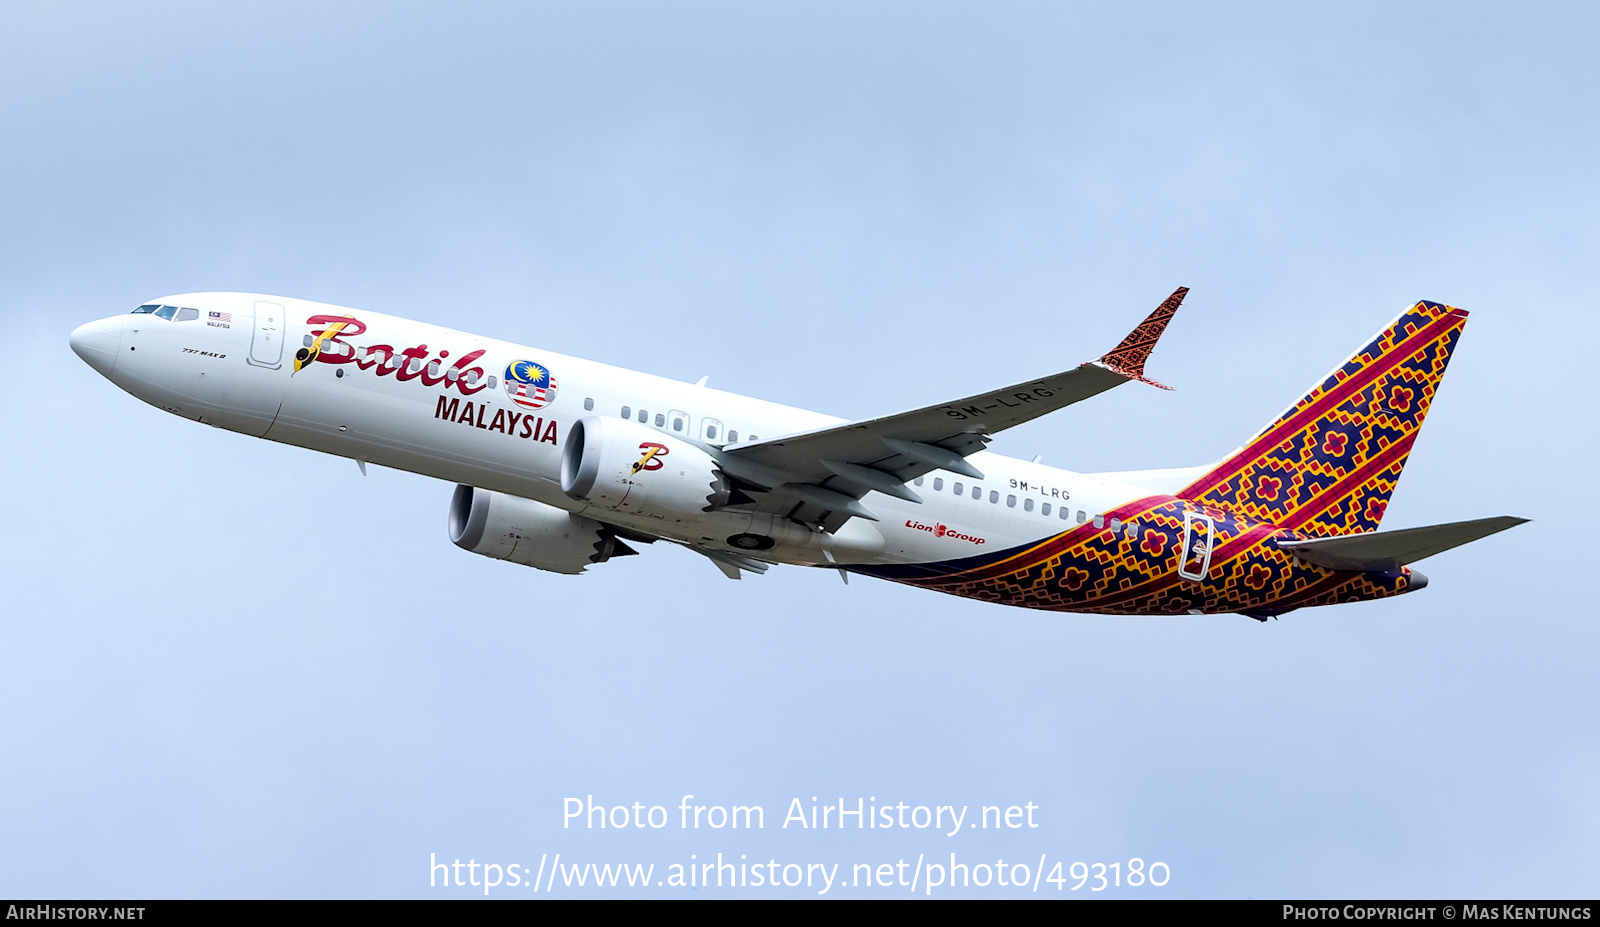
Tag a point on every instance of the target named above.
point(820, 475)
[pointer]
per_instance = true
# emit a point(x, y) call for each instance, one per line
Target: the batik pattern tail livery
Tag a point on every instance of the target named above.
point(1329, 464)
point(1325, 467)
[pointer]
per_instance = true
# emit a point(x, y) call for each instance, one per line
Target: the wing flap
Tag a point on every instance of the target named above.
point(731, 564)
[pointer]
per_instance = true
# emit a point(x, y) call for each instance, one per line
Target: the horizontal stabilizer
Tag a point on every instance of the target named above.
point(1390, 550)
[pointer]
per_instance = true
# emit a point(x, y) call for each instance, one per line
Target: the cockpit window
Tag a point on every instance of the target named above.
point(167, 312)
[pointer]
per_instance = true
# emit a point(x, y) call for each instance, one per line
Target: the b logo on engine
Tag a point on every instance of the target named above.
point(651, 460)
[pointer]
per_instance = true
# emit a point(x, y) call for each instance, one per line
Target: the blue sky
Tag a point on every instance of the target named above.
point(234, 668)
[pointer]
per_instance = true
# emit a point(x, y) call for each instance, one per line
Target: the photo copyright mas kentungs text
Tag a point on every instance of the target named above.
point(940, 869)
point(1449, 912)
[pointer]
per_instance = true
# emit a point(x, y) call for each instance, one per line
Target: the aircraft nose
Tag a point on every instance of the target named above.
point(98, 342)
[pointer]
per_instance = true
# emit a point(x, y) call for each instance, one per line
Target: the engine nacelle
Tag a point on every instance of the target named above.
point(530, 533)
point(621, 466)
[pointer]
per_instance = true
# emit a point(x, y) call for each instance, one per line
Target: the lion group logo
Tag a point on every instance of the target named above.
point(530, 385)
point(940, 530)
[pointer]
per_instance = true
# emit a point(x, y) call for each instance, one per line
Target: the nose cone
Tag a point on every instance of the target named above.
point(98, 342)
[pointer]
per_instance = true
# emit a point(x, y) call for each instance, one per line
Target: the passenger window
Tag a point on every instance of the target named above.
point(917, 481)
point(938, 483)
point(627, 412)
point(733, 437)
point(677, 424)
point(433, 369)
point(711, 432)
point(492, 382)
point(1065, 512)
point(588, 404)
point(1044, 509)
point(1027, 505)
point(977, 492)
point(994, 496)
point(1082, 516)
point(957, 488)
point(185, 315)
point(660, 420)
point(1132, 531)
point(1011, 501)
point(1116, 525)
point(1099, 521)
point(754, 438)
point(644, 417)
point(166, 312)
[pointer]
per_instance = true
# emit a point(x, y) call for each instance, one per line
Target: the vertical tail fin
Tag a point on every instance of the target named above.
point(1328, 465)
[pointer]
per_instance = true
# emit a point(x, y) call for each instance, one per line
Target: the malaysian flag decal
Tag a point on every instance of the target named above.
point(530, 385)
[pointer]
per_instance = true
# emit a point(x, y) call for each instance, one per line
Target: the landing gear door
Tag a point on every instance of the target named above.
point(1195, 555)
point(266, 342)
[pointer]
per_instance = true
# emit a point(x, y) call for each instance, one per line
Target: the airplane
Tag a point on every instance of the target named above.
point(563, 463)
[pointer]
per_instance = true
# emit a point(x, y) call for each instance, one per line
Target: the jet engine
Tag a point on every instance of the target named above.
point(620, 466)
point(530, 533)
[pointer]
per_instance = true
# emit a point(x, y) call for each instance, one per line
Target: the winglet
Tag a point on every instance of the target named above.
point(1128, 357)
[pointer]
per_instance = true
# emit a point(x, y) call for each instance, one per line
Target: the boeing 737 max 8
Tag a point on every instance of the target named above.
point(563, 463)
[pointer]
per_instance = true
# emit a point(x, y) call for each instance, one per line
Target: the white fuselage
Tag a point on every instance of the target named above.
point(233, 367)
